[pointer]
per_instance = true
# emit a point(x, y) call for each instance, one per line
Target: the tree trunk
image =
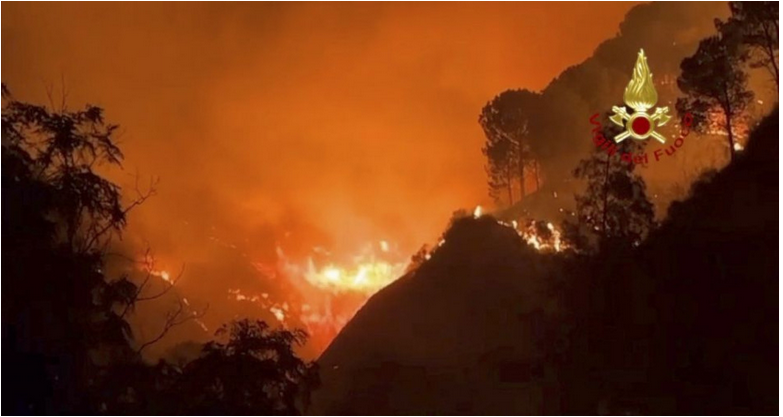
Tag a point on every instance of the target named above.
point(538, 177)
point(727, 110)
point(771, 54)
point(521, 173)
point(731, 137)
point(774, 67)
point(510, 184)
point(510, 193)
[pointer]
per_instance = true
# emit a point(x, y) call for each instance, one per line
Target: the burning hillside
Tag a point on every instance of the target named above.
point(331, 288)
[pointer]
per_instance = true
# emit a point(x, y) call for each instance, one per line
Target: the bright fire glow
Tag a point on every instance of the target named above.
point(365, 274)
point(332, 289)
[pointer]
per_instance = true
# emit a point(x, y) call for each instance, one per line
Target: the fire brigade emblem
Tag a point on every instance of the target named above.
point(640, 95)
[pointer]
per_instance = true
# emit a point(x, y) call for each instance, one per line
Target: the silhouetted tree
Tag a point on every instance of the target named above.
point(68, 346)
point(715, 87)
point(417, 259)
point(252, 370)
point(757, 28)
point(614, 208)
point(505, 121)
point(501, 168)
point(62, 317)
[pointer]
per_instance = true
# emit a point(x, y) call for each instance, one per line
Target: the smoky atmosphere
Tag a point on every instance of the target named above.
point(390, 208)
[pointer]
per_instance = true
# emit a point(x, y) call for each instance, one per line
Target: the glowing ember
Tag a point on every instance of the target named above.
point(278, 312)
point(164, 275)
point(543, 237)
point(242, 297)
point(740, 126)
point(477, 212)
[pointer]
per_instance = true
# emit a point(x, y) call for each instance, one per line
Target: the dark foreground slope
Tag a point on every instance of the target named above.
point(686, 323)
point(455, 336)
point(713, 274)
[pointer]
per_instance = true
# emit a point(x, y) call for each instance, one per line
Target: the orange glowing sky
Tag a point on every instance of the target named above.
point(328, 124)
point(358, 117)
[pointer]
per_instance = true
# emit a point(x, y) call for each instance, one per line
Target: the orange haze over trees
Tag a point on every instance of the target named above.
point(201, 199)
point(292, 125)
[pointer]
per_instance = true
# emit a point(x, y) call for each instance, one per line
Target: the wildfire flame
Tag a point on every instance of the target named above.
point(366, 273)
point(552, 242)
point(640, 93)
point(332, 289)
point(327, 290)
point(543, 237)
point(740, 127)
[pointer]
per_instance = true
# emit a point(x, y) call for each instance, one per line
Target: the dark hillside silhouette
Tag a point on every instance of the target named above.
point(713, 268)
point(683, 324)
point(465, 333)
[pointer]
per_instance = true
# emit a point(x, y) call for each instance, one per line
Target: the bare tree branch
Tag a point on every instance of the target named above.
point(132, 302)
point(171, 285)
point(49, 88)
point(141, 197)
point(64, 93)
point(173, 319)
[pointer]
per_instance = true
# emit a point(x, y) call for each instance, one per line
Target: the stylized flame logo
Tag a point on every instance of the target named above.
point(640, 95)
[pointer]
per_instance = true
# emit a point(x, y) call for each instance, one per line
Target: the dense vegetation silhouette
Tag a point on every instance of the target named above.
point(68, 345)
